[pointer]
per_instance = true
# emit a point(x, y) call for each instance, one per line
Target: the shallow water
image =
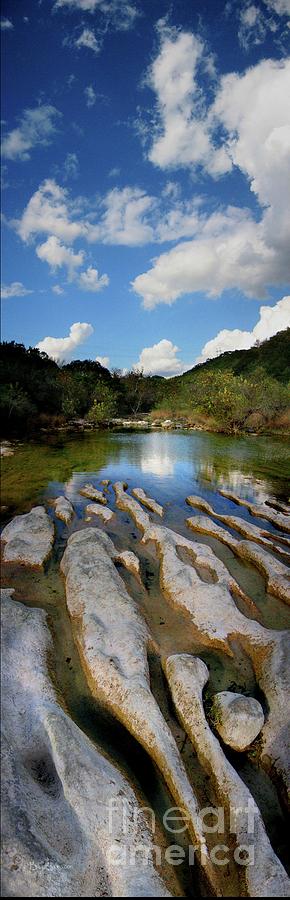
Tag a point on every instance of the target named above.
point(169, 466)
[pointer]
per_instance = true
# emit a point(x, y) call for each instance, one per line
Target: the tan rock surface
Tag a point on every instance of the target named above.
point(266, 877)
point(59, 840)
point(28, 539)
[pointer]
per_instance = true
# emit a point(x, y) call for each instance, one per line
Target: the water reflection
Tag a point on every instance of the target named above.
point(170, 465)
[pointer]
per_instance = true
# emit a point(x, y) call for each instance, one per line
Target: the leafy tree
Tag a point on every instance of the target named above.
point(104, 405)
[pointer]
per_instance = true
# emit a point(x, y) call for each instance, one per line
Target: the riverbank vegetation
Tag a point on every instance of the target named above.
point(246, 390)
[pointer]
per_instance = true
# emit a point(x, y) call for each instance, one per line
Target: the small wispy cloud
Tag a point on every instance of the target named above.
point(16, 289)
point(90, 95)
point(57, 289)
point(71, 166)
point(36, 127)
point(6, 25)
point(118, 14)
point(88, 40)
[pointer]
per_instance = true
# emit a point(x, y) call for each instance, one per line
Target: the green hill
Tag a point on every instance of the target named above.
point(272, 355)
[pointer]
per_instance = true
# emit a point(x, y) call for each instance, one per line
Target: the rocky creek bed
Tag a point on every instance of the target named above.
point(145, 698)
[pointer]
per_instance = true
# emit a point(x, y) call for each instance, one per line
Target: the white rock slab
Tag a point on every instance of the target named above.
point(246, 529)
point(95, 509)
point(147, 501)
point(130, 561)
point(276, 573)
point(28, 539)
point(59, 839)
point(63, 509)
point(112, 640)
point(92, 493)
point(263, 511)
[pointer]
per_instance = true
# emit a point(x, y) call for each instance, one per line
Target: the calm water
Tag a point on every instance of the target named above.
point(169, 465)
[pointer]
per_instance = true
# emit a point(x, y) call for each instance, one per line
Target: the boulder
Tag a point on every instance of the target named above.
point(28, 539)
point(238, 719)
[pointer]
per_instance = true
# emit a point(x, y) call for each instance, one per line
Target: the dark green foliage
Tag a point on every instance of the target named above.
point(243, 390)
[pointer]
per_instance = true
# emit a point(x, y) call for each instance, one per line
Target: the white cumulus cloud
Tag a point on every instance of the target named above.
point(231, 248)
point(16, 289)
point(103, 360)
point(182, 136)
point(62, 349)
point(92, 281)
point(57, 255)
point(37, 127)
point(271, 320)
point(160, 359)
point(48, 212)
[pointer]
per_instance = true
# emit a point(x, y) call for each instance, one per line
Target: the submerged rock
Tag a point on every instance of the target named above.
point(277, 575)
point(95, 509)
point(147, 501)
point(112, 640)
point(92, 493)
point(59, 839)
point(238, 719)
point(29, 538)
point(63, 509)
point(264, 876)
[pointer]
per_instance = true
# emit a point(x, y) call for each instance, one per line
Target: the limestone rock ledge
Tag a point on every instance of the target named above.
point(247, 529)
point(28, 539)
point(266, 877)
point(112, 640)
point(217, 622)
point(96, 509)
point(92, 493)
point(63, 509)
point(57, 787)
point(277, 574)
point(147, 501)
point(280, 520)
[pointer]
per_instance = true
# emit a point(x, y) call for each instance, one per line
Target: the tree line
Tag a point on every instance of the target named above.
point(36, 392)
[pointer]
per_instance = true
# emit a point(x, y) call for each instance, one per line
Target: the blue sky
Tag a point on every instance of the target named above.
point(145, 174)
